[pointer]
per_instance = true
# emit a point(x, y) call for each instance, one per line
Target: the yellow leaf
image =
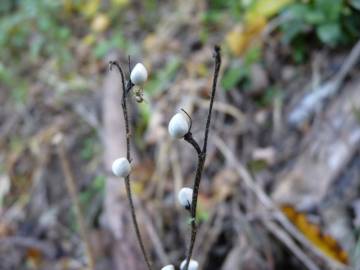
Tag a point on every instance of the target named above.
point(100, 23)
point(89, 39)
point(324, 242)
point(197, 69)
point(90, 7)
point(120, 3)
point(137, 188)
point(265, 8)
point(69, 6)
point(241, 37)
point(236, 40)
point(256, 26)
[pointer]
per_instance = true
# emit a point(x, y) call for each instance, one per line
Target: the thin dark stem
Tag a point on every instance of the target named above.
point(134, 219)
point(188, 117)
point(129, 64)
point(126, 90)
point(201, 156)
point(129, 85)
point(190, 139)
point(198, 175)
point(217, 57)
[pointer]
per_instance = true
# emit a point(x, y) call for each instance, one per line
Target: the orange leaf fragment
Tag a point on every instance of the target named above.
point(324, 242)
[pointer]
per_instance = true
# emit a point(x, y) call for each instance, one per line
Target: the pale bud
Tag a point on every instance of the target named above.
point(185, 197)
point(168, 267)
point(138, 74)
point(121, 167)
point(179, 125)
point(193, 265)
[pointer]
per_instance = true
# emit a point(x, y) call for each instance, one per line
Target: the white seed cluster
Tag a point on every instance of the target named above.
point(121, 167)
point(185, 197)
point(179, 125)
point(139, 74)
point(193, 265)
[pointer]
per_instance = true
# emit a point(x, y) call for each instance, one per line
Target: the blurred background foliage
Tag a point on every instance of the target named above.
point(65, 42)
point(46, 32)
point(61, 46)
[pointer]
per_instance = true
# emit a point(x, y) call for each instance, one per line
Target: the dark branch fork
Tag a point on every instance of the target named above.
point(201, 155)
point(125, 90)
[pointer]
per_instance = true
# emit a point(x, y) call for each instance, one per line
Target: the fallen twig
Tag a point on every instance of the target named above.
point(270, 206)
point(314, 100)
point(47, 249)
point(155, 239)
point(72, 190)
point(286, 239)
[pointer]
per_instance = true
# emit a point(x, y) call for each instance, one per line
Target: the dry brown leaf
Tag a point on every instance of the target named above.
point(34, 257)
point(326, 243)
point(5, 229)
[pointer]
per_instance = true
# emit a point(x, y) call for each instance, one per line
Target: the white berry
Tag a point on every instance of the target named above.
point(168, 267)
point(121, 167)
point(179, 125)
point(185, 197)
point(138, 74)
point(193, 265)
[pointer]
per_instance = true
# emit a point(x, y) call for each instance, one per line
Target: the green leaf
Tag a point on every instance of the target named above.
point(252, 56)
point(330, 8)
point(329, 33)
point(315, 17)
point(236, 73)
point(163, 77)
point(6, 6)
point(296, 11)
point(202, 216)
point(99, 183)
point(232, 77)
point(211, 17)
point(145, 110)
point(299, 53)
point(116, 41)
point(351, 26)
point(291, 30)
point(88, 149)
point(256, 165)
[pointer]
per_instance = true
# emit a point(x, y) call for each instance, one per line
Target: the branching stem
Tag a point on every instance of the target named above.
point(201, 152)
point(190, 139)
point(201, 155)
point(126, 89)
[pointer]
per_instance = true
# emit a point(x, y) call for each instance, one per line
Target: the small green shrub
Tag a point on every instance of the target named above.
point(334, 22)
